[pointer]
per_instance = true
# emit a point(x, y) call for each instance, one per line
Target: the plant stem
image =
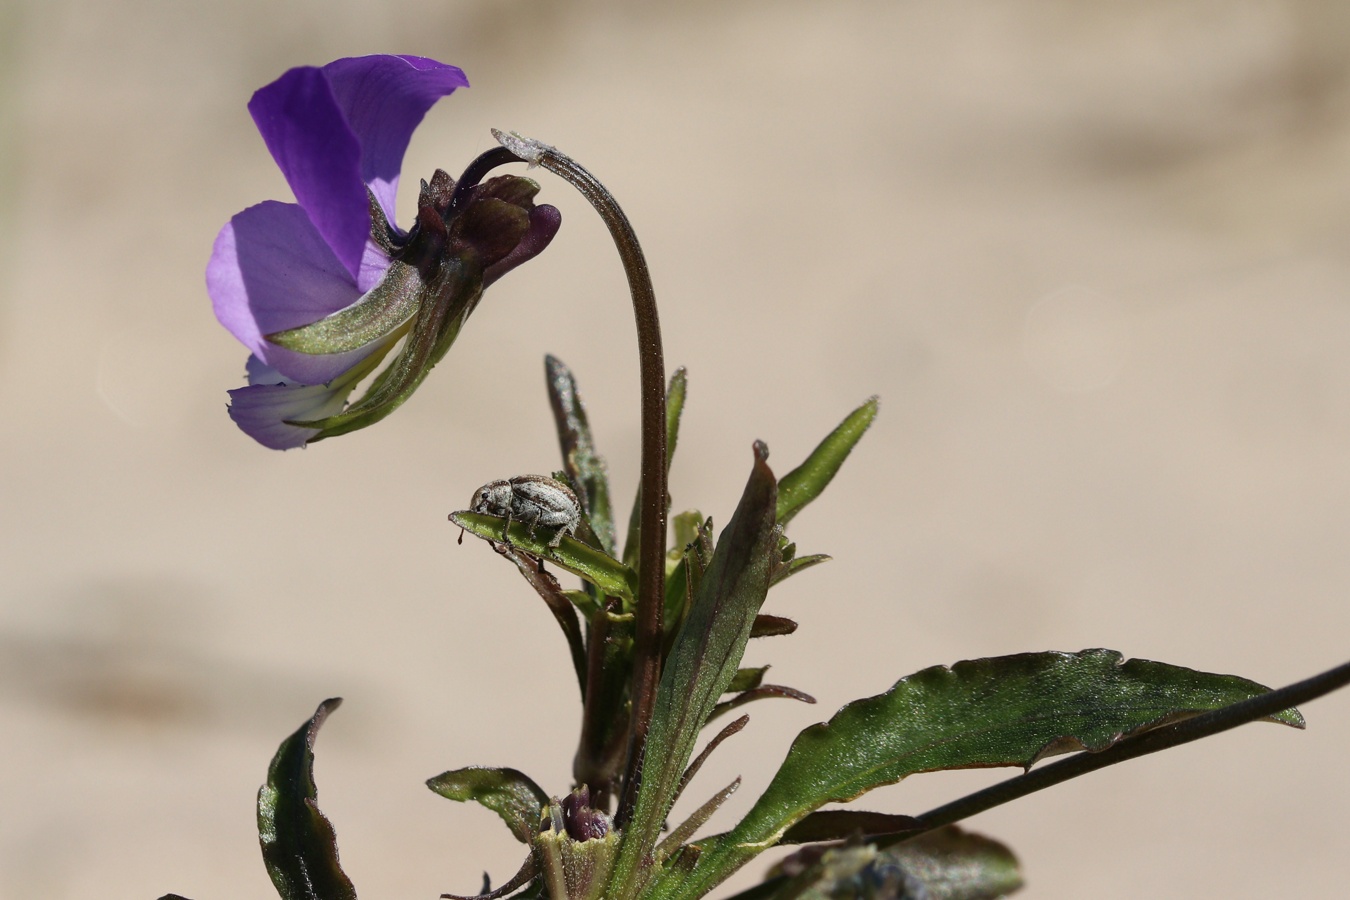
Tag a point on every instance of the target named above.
point(652, 531)
point(1183, 732)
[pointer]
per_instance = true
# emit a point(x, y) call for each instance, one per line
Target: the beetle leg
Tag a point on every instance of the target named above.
point(506, 538)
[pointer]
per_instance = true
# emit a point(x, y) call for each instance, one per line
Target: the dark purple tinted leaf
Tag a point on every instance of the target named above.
point(298, 843)
point(763, 692)
point(771, 626)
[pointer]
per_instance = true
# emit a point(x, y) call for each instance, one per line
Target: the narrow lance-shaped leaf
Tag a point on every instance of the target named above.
point(763, 692)
point(702, 662)
point(675, 394)
point(509, 793)
point(605, 572)
point(798, 564)
point(804, 483)
point(585, 467)
point(299, 846)
point(1003, 711)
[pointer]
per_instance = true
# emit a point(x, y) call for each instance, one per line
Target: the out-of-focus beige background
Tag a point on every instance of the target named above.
point(1092, 256)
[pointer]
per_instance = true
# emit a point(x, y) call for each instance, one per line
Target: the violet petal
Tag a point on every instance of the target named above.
point(271, 270)
point(383, 99)
point(263, 408)
point(308, 135)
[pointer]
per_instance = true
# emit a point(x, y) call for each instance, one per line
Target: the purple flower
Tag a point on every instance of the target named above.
point(321, 290)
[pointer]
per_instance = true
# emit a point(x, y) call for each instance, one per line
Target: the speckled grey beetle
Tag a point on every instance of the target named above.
point(532, 499)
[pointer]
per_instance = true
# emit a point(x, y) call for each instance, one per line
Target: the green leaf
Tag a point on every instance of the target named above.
point(585, 468)
point(701, 664)
point(605, 572)
point(1003, 711)
point(507, 792)
point(675, 394)
point(804, 483)
point(298, 843)
point(947, 864)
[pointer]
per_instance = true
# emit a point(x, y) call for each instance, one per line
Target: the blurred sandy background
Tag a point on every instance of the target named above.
point(1092, 257)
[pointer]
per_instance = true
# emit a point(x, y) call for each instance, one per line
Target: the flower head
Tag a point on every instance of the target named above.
point(321, 290)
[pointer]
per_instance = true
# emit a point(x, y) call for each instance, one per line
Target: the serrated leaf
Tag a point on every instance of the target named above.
point(702, 662)
point(585, 467)
point(803, 484)
point(605, 572)
point(509, 793)
point(1002, 711)
point(299, 846)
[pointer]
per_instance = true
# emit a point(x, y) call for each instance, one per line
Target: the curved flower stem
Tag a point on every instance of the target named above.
point(652, 530)
point(1183, 732)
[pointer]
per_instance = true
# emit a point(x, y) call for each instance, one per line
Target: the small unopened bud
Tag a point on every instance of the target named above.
point(581, 821)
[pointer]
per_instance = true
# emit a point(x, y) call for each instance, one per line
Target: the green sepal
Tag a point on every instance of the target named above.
point(576, 870)
point(585, 468)
point(451, 296)
point(675, 394)
point(509, 793)
point(804, 483)
point(702, 662)
point(377, 314)
point(609, 575)
point(299, 846)
point(1001, 711)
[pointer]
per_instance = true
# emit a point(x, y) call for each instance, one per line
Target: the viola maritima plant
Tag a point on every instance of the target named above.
point(322, 290)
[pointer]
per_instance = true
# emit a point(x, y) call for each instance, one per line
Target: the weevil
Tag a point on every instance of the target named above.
point(533, 499)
